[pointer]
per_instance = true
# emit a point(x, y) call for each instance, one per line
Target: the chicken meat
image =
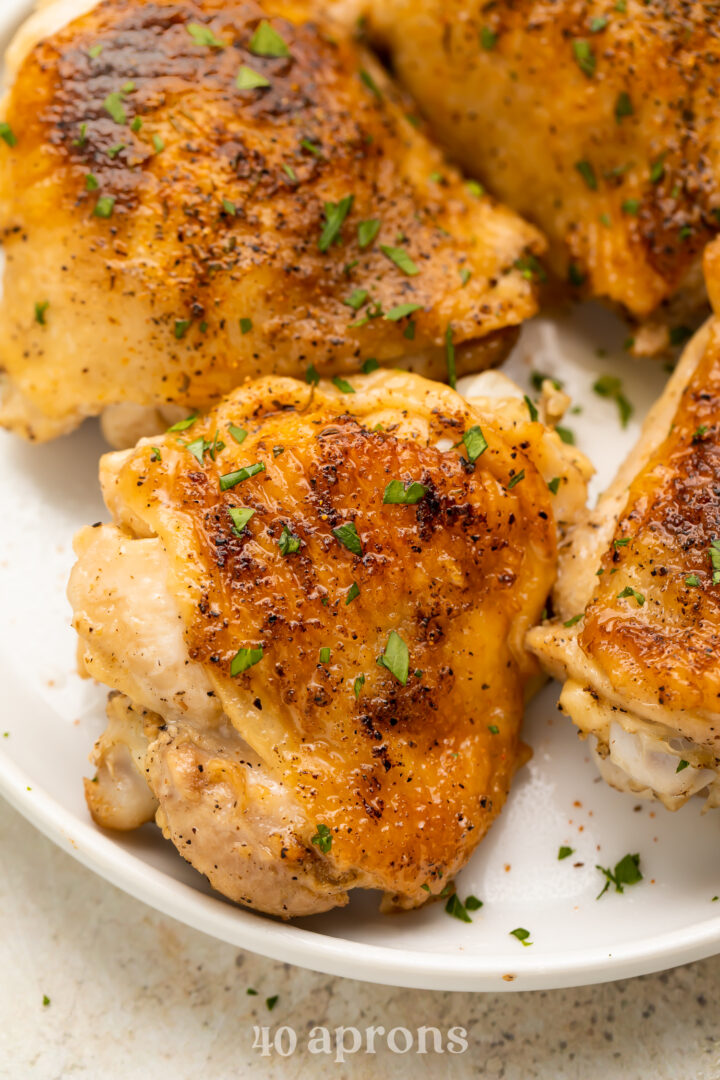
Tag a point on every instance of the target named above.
point(598, 122)
point(310, 607)
point(194, 192)
point(638, 598)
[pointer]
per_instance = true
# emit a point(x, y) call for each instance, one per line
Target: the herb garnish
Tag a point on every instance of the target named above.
point(584, 57)
point(399, 312)
point(565, 852)
point(457, 909)
point(531, 408)
point(288, 542)
point(629, 591)
point(714, 553)
point(626, 872)
point(372, 86)
point(244, 659)
point(358, 685)
point(40, 309)
point(104, 206)
point(181, 328)
point(203, 35)
point(588, 174)
point(402, 260)
point(312, 375)
point(247, 79)
point(229, 480)
point(367, 231)
point(397, 493)
point(343, 385)
point(450, 356)
point(348, 537)
point(623, 106)
point(522, 935)
point(369, 365)
point(325, 655)
point(682, 764)
point(475, 442)
point(516, 479)
point(488, 38)
point(240, 516)
point(396, 657)
point(183, 425)
point(267, 42)
point(573, 620)
point(271, 1002)
point(7, 134)
point(611, 387)
point(353, 591)
point(554, 484)
point(693, 581)
point(239, 434)
point(322, 838)
point(335, 214)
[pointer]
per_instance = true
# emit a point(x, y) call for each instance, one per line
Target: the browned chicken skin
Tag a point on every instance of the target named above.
point(598, 121)
point(169, 233)
point(640, 666)
point(289, 762)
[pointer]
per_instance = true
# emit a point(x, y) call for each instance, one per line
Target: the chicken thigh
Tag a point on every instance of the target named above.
point(196, 192)
point(638, 596)
point(311, 606)
point(598, 121)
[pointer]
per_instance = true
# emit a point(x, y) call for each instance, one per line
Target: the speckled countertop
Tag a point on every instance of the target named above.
point(133, 994)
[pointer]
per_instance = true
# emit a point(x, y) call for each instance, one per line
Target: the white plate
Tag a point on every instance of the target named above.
point(52, 718)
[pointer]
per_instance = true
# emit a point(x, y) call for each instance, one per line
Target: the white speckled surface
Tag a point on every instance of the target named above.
point(136, 995)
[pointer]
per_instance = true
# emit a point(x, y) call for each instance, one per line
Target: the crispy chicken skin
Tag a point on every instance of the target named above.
point(310, 772)
point(640, 667)
point(229, 242)
point(599, 124)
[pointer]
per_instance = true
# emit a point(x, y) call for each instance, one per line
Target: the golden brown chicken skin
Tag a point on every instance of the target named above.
point(320, 595)
point(181, 210)
point(598, 121)
point(640, 656)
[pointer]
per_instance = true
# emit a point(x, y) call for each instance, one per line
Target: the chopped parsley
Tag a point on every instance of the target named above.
point(94, 51)
point(229, 480)
point(554, 484)
point(288, 543)
point(197, 448)
point(626, 872)
point(683, 764)
point(372, 86)
point(598, 23)
point(203, 35)
point(628, 591)
point(183, 425)
point(610, 386)
point(367, 231)
point(348, 537)
point(399, 312)
point(565, 852)
point(113, 105)
point(240, 516)
point(156, 454)
point(588, 174)
point(693, 581)
point(335, 214)
point(584, 57)
point(657, 170)
point(493, 729)
point(311, 147)
point(322, 838)
point(239, 434)
point(181, 328)
point(312, 375)
point(325, 655)
point(450, 356)
point(522, 935)
point(623, 542)
point(136, 124)
point(41, 307)
point(229, 207)
point(402, 260)
point(699, 433)
point(623, 106)
point(343, 385)
point(472, 903)
point(369, 365)
point(714, 554)
point(358, 685)
point(158, 144)
point(356, 299)
point(531, 268)
point(271, 1002)
point(488, 38)
point(476, 189)
point(396, 492)
point(104, 206)
point(475, 442)
point(516, 479)
point(465, 276)
point(247, 79)
point(46, 1000)
point(531, 409)
point(113, 151)
point(246, 326)
point(396, 657)
point(353, 591)
point(244, 659)
point(267, 42)
point(566, 435)
point(457, 909)
point(630, 206)
point(7, 134)
point(574, 619)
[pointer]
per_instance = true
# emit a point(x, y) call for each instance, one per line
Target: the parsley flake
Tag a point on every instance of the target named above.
point(183, 425)
point(40, 309)
point(239, 434)
point(358, 685)
point(335, 214)
point(367, 231)
point(457, 909)
point(531, 409)
point(714, 554)
point(554, 484)
point(584, 57)
point(348, 537)
point(475, 442)
point(104, 206)
point(353, 591)
point(693, 581)
point(516, 479)
point(629, 591)
point(343, 385)
point(244, 659)
point(240, 516)
point(288, 542)
point(588, 174)
point(322, 838)
point(682, 764)
point(522, 935)
point(450, 356)
point(229, 480)
point(181, 328)
point(267, 42)
point(626, 872)
point(325, 655)
point(7, 134)
point(396, 657)
point(203, 35)
point(488, 38)
point(402, 260)
point(247, 79)
point(397, 493)
point(623, 106)
point(565, 852)
point(399, 312)
point(367, 79)
point(369, 365)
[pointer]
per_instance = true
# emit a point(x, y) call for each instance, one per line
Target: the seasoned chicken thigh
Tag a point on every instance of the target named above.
point(598, 121)
point(312, 605)
point(638, 633)
point(196, 192)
